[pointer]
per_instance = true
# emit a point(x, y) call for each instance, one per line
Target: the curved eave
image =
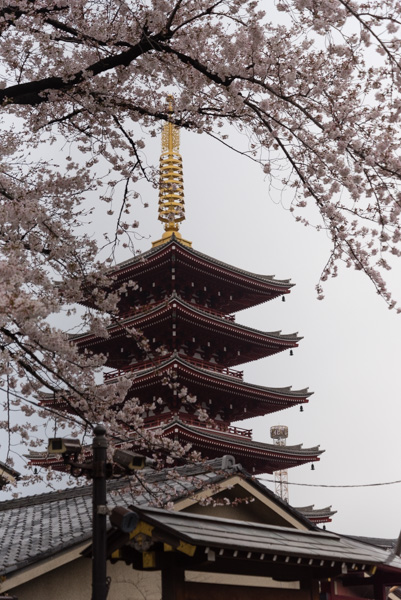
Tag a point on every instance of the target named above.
point(266, 281)
point(276, 399)
point(295, 451)
point(56, 404)
point(318, 515)
point(262, 457)
point(199, 316)
point(284, 394)
point(50, 462)
point(319, 520)
point(215, 320)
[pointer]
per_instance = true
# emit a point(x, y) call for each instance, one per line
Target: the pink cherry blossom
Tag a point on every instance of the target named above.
point(315, 84)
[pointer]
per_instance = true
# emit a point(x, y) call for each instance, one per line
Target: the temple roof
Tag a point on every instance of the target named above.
point(213, 439)
point(215, 372)
point(135, 260)
point(296, 450)
point(176, 322)
point(175, 266)
point(257, 457)
point(317, 515)
point(34, 528)
point(386, 543)
point(242, 399)
point(265, 541)
point(149, 311)
point(237, 399)
point(312, 511)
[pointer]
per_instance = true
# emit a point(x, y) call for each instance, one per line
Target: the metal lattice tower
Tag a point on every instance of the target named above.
point(279, 433)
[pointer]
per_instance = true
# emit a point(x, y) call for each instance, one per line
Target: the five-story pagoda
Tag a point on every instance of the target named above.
point(183, 304)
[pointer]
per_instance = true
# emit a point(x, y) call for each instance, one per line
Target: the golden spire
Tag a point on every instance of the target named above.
point(171, 186)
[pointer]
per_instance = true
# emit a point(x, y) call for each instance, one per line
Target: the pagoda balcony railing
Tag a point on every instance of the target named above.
point(132, 312)
point(212, 311)
point(203, 364)
point(136, 310)
point(154, 363)
point(133, 368)
point(159, 420)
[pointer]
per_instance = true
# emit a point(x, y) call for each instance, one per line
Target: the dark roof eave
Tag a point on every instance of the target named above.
point(285, 391)
point(281, 283)
point(293, 338)
point(295, 451)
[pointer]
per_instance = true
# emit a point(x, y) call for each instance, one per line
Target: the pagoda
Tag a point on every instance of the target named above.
point(184, 304)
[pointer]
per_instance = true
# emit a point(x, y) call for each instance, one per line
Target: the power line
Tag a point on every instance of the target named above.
point(323, 485)
point(316, 485)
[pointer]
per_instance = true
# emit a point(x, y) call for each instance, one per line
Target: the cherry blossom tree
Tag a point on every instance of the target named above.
point(315, 85)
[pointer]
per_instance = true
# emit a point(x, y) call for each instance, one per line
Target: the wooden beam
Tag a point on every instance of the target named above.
point(172, 578)
point(200, 591)
point(279, 571)
point(379, 591)
point(311, 587)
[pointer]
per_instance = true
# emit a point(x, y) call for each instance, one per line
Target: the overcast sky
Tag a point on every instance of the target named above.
point(349, 356)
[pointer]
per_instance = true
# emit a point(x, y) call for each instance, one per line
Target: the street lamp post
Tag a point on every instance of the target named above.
point(99, 469)
point(99, 557)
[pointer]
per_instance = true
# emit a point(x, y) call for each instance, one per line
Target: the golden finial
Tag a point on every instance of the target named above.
point(171, 186)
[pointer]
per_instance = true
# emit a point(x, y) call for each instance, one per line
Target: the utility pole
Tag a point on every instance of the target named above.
point(99, 469)
point(99, 557)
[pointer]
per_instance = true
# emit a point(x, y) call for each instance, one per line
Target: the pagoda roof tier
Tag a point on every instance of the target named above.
point(175, 323)
point(317, 515)
point(214, 441)
point(174, 266)
point(222, 390)
point(256, 457)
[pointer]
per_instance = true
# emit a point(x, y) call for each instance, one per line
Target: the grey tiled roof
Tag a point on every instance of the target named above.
point(312, 512)
point(387, 544)
point(36, 527)
point(212, 532)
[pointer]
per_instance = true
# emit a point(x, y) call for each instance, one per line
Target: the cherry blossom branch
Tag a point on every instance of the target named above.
point(365, 25)
point(37, 92)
